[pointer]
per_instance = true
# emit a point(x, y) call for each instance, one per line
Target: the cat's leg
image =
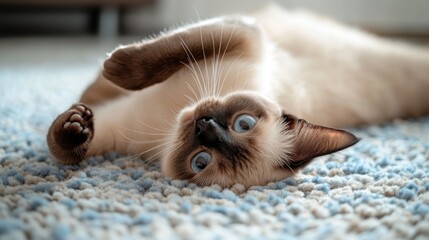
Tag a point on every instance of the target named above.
point(71, 133)
point(100, 91)
point(140, 65)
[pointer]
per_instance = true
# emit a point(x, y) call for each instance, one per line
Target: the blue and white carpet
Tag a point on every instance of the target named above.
point(379, 189)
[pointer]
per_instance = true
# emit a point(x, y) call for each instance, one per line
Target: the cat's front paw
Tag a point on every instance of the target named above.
point(71, 133)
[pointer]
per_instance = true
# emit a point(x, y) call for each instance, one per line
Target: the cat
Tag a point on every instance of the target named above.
point(223, 101)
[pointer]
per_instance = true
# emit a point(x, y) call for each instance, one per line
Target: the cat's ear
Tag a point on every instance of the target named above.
point(312, 141)
point(140, 65)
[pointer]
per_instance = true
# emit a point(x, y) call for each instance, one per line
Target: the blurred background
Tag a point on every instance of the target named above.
point(112, 18)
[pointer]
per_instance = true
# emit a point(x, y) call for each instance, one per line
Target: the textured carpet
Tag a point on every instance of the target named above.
point(378, 189)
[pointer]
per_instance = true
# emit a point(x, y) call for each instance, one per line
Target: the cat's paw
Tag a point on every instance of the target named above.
point(71, 133)
point(77, 125)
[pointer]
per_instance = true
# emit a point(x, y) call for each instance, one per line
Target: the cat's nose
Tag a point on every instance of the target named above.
point(208, 131)
point(203, 125)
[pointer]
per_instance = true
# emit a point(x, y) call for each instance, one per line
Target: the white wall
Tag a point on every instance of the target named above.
point(404, 16)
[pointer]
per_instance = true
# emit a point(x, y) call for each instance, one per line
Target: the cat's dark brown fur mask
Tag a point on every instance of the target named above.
point(218, 146)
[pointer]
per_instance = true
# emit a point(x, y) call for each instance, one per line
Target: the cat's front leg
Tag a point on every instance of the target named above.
point(71, 133)
point(141, 65)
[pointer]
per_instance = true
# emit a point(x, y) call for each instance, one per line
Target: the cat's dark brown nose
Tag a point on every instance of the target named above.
point(203, 125)
point(213, 134)
point(208, 131)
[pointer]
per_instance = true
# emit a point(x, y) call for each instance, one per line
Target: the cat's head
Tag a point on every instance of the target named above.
point(245, 138)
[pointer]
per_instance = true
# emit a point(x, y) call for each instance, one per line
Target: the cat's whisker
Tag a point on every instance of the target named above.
point(219, 64)
point(197, 13)
point(191, 66)
point(194, 73)
point(237, 86)
point(199, 80)
point(132, 157)
point(171, 122)
point(189, 52)
point(134, 141)
point(155, 148)
point(199, 87)
point(125, 138)
point(192, 100)
point(165, 145)
point(164, 130)
point(203, 49)
point(218, 69)
point(168, 149)
point(204, 55)
point(175, 114)
point(137, 156)
point(129, 140)
point(161, 130)
point(148, 133)
point(223, 56)
point(229, 69)
point(141, 142)
point(214, 66)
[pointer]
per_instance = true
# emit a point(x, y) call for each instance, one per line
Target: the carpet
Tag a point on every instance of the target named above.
point(378, 189)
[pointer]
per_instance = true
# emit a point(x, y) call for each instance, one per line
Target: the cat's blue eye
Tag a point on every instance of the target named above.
point(244, 123)
point(200, 161)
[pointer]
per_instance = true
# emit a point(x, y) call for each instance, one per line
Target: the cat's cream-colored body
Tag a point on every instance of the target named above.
point(337, 76)
point(314, 68)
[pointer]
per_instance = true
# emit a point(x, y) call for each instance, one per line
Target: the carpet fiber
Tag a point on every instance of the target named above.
point(379, 189)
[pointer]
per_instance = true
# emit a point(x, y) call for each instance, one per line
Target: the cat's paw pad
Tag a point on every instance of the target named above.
point(75, 126)
point(71, 133)
point(79, 119)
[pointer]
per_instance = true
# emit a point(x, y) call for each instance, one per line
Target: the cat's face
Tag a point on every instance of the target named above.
point(245, 138)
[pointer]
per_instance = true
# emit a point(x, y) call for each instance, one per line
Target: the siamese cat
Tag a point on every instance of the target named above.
point(223, 101)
